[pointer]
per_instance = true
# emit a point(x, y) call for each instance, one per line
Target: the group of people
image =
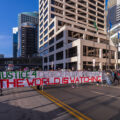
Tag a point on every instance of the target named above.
point(111, 77)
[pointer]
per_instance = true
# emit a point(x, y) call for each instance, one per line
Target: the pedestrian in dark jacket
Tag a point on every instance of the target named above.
point(116, 77)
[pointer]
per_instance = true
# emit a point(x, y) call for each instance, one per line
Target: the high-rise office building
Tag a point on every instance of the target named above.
point(15, 41)
point(27, 18)
point(29, 39)
point(72, 35)
point(113, 12)
point(113, 18)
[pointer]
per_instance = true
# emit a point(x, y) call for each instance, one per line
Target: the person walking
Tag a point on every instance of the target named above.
point(108, 78)
point(113, 75)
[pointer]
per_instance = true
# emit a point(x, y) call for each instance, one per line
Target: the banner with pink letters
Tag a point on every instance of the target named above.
point(17, 79)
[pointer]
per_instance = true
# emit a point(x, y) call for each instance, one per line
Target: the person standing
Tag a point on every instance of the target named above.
point(115, 77)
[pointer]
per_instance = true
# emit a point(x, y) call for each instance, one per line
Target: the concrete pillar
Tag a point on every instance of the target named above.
point(100, 65)
point(100, 53)
point(65, 47)
point(79, 55)
point(98, 40)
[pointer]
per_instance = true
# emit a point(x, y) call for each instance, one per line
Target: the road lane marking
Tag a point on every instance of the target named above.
point(66, 107)
point(60, 105)
point(76, 111)
point(100, 93)
point(69, 111)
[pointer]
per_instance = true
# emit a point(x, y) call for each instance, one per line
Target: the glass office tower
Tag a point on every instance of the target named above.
point(15, 41)
point(25, 17)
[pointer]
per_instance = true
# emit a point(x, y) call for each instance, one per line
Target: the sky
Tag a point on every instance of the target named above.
point(9, 10)
point(106, 2)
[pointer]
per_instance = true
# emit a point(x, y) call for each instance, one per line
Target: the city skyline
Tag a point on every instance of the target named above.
point(6, 39)
point(10, 19)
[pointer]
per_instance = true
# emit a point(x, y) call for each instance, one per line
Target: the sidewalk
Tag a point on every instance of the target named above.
point(27, 104)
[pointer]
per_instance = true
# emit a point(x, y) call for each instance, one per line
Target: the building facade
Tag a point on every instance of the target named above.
point(32, 62)
point(27, 18)
point(68, 38)
point(15, 41)
point(113, 12)
point(29, 34)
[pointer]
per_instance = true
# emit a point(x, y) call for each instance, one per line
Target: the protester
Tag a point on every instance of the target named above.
point(113, 74)
point(108, 78)
point(115, 77)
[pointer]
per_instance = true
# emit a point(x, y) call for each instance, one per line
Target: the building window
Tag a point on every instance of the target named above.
point(41, 24)
point(51, 26)
point(46, 38)
point(59, 45)
point(45, 60)
point(46, 24)
point(45, 11)
point(41, 12)
point(90, 51)
point(45, 52)
point(52, 15)
point(59, 66)
point(46, 31)
point(45, 67)
point(41, 48)
point(41, 30)
point(52, 2)
point(45, 18)
point(51, 49)
point(41, 36)
point(45, 5)
point(52, 9)
point(51, 58)
point(59, 56)
point(41, 42)
point(59, 36)
point(51, 33)
point(45, 45)
point(51, 41)
point(41, 18)
point(72, 52)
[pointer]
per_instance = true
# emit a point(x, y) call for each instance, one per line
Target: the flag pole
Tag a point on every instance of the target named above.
point(117, 49)
point(94, 62)
point(109, 50)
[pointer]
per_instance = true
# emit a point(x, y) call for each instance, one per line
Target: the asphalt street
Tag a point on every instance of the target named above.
point(96, 102)
point(27, 104)
point(88, 101)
